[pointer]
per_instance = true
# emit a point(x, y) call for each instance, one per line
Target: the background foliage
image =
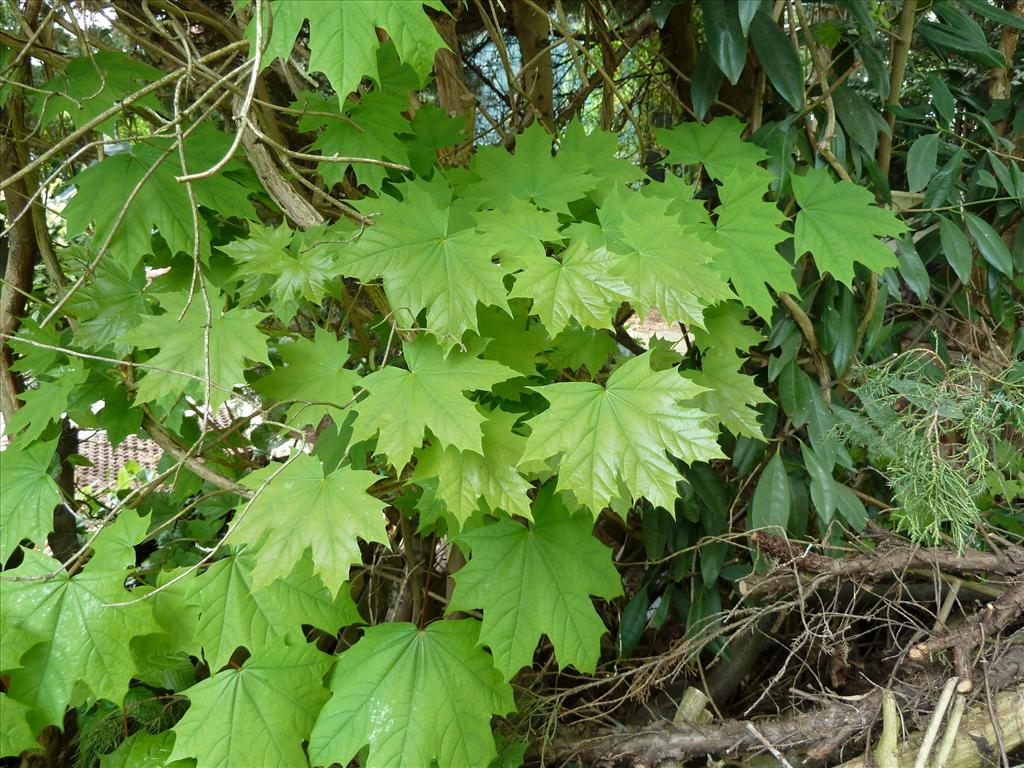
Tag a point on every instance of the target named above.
point(493, 352)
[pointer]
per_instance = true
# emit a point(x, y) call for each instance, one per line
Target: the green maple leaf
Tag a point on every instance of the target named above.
point(665, 264)
point(258, 714)
point(717, 145)
point(16, 736)
point(839, 224)
point(369, 128)
point(515, 341)
point(425, 262)
point(613, 440)
point(234, 339)
point(412, 696)
point(343, 41)
point(27, 496)
point(747, 232)
point(431, 129)
point(144, 750)
point(90, 85)
point(518, 231)
point(161, 202)
point(301, 508)
point(597, 153)
point(588, 347)
point(315, 375)
point(520, 577)
point(269, 262)
point(46, 402)
point(403, 404)
point(109, 305)
point(84, 641)
point(578, 285)
point(228, 615)
point(731, 396)
point(466, 477)
point(496, 176)
point(301, 598)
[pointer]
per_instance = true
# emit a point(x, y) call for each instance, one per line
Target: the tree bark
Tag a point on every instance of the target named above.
point(897, 70)
point(999, 86)
point(533, 29)
point(453, 93)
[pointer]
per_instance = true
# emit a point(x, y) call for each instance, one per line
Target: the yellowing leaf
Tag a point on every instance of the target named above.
point(527, 587)
point(412, 696)
point(615, 440)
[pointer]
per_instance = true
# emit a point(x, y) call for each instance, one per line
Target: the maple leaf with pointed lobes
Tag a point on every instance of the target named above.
point(496, 176)
point(402, 404)
point(314, 375)
point(839, 224)
point(412, 696)
point(301, 598)
point(301, 509)
point(27, 495)
point(16, 736)
point(588, 347)
point(730, 396)
point(46, 402)
point(518, 231)
point(717, 145)
point(597, 153)
point(108, 305)
point(343, 39)
point(520, 577)
point(258, 714)
point(615, 438)
point(425, 263)
point(78, 632)
point(144, 750)
point(665, 264)
point(465, 477)
point(98, 82)
point(234, 339)
point(103, 189)
point(747, 232)
point(577, 285)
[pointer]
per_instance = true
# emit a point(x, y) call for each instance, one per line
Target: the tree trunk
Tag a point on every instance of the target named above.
point(533, 31)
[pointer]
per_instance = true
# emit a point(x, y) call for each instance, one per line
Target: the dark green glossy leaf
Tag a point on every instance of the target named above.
point(921, 161)
point(747, 10)
point(942, 187)
point(990, 244)
point(770, 504)
point(726, 40)
point(778, 57)
point(957, 249)
point(874, 64)
point(912, 269)
point(823, 492)
point(707, 81)
point(943, 100)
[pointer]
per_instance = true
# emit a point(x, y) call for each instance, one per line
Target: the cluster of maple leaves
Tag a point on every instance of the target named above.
point(502, 388)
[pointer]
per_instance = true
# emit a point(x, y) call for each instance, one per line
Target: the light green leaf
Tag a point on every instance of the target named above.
point(228, 615)
point(343, 41)
point(840, 224)
point(403, 404)
point(518, 231)
point(575, 347)
point(80, 634)
point(301, 598)
point(315, 375)
point(747, 233)
point(578, 285)
point(27, 495)
point(769, 508)
point(234, 339)
point(617, 438)
point(412, 696)
point(46, 402)
point(666, 264)
point(526, 586)
point(109, 305)
point(717, 145)
point(16, 735)
point(256, 715)
point(466, 477)
point(301, 509)
point(143, 750)
point(425, 263)
point(496, 176)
